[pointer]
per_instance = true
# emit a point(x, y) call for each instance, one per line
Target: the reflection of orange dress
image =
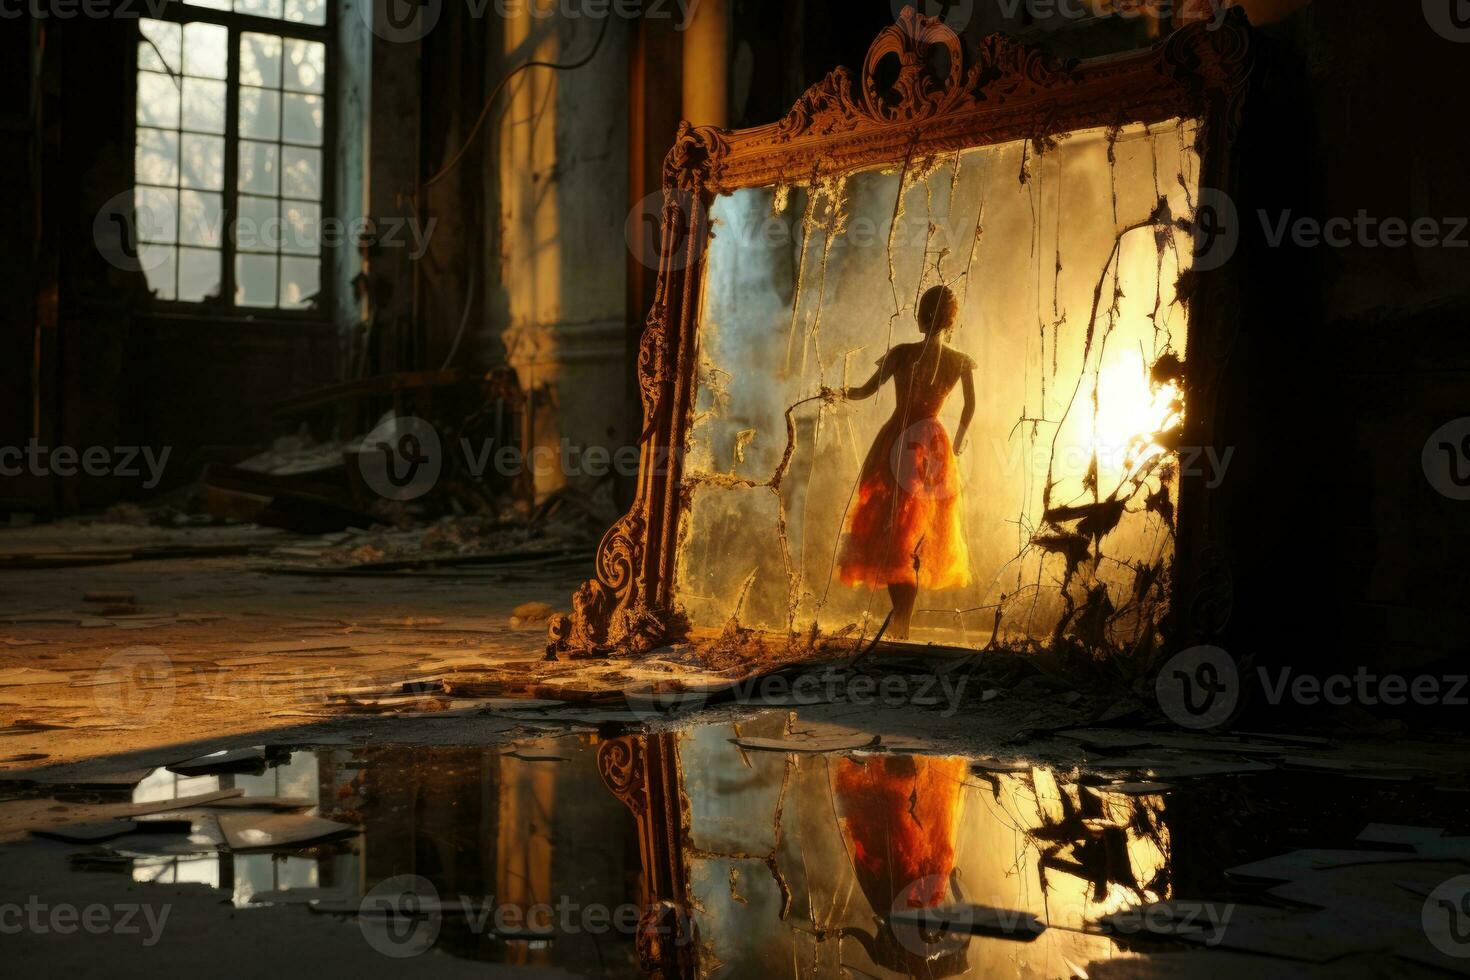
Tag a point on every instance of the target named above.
point(904, 526)
point(900, 815)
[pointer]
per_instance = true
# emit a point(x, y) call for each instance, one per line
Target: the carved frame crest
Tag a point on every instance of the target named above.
point(920, 94)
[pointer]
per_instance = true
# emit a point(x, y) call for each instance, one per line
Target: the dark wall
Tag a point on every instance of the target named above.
point(1350, 357)
point(18, 243)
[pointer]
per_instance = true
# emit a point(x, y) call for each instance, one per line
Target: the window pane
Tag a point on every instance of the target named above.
point(307, 11)
point(198, 274)
point(258, 228)
point(260, 114)
point(156, 157)
point(301, 120)
point(260, 8)
point(158, 269)
point(203, 160)
point(163, 53)
point(158, 100)
point(155, 214)
point(301, 227)
point(300, 280)
point(199, 218)
point(306, 65)
point(260, 60)
point(301, 173)
point(211, 4)
point(255, 280)
point(204, 106)
point(258, 167)
point(204, 50)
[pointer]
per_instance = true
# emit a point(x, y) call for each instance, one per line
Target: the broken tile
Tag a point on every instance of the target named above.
point(975, 920)
point(1386, 833)
point(87, 833)
point(248, 759)
point(829, 743)
point(29, 676)
point(250, 831)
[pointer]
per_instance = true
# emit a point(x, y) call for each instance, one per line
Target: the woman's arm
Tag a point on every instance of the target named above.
point(868, 388)
point(968, 381)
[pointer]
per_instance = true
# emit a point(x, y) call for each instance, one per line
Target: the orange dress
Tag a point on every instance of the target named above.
point(904, 526)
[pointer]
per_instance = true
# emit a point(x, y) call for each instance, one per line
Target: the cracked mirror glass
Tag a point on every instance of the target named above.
point(943, 399)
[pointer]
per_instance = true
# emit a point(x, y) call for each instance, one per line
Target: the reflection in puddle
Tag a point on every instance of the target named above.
point(856, 839)
point(510, 846)
point(581, 853)
point(754, 848)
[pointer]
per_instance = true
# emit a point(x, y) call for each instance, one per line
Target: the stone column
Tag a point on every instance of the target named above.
point(707, 64)
point(558, 294)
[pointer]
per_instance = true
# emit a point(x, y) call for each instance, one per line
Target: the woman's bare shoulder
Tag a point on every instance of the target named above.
point(959, 359)
point(900, 353)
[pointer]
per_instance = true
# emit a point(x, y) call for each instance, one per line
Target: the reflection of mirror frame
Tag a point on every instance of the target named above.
point(643, 772)
point(1010, 92)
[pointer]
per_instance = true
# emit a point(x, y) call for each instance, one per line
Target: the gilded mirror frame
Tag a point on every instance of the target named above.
point(1004, 92)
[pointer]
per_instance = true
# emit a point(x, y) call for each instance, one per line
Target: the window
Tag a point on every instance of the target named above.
point(231, 151)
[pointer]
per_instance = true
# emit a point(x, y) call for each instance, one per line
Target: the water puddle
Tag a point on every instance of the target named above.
point(735, 850)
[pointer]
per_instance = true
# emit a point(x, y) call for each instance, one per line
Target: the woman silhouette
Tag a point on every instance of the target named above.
point(903, 531)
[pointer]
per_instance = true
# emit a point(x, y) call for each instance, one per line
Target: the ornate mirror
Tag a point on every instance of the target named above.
point(928, 355)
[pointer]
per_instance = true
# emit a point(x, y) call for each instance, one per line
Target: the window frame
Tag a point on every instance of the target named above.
point(224, 305)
